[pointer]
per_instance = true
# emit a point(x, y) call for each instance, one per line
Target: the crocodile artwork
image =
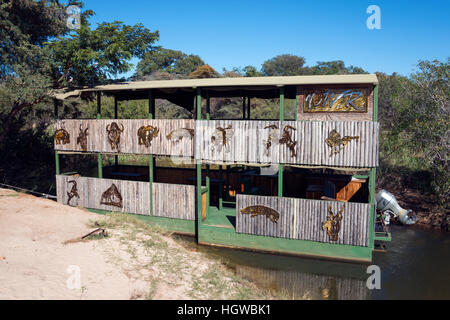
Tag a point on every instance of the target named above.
point(146, 134)
point(73, 192)
point(333, 223)
point(62, 137)
point(336, 143)
point(82, 138)
point(262, 210)
point(286, 139)
point(114, 133)
point(222, 138)
point(112, 197)
point(178, 134)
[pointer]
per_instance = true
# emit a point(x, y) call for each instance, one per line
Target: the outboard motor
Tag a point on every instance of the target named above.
point(387, 204)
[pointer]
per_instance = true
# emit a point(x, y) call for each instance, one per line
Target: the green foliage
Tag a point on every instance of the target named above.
point(284, 65)
point(204, 71)
point(333, 67)
point(415, 118)
point(91, 56)
point(169, 61)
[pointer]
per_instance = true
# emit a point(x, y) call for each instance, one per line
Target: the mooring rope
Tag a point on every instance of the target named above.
point(45, 195)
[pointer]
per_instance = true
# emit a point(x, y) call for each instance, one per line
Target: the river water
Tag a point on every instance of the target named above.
point(415, 266)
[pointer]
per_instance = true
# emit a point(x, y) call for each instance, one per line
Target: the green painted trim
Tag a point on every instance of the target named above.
point(248, 108)
point(381, 236)
point(282, 104)
point(58, 171)
point(150, 180)
point(372, 176)
point(174, 225)
point(208, 187)
point(296, 105)
point(228, 238)
point(199, 193)
point(100, 165)
point(375, 103)
point(360, 176)
point(280, 180)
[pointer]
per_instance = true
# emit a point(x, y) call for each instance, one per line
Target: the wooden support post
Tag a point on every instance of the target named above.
point(248, 108)
point(57, 163)
point(57, 170)
point(208, 186)
point(99, 155)
point(198, 216)
point(375, 103)
point(280, 166)
point(151, 158)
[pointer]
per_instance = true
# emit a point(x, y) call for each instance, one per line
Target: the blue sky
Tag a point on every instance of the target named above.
point(227, 34)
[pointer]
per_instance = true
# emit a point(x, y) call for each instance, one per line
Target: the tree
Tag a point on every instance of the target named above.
point(284, 65)
point(167, 60)
point(333, 67)
point(38, 54)
point(205, 71)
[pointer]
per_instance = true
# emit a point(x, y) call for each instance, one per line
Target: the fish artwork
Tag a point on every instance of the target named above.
point(178, 134)
point(336, 143)
point(262, 210)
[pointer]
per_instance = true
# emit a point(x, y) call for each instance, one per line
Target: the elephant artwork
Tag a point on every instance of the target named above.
point(114, 133)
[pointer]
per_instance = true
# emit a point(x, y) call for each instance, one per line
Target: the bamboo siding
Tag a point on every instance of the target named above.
point(97, 140)
point(302, 219)
point(169, 200)
point(174, 201)
point(248, 143)
point(135, 194)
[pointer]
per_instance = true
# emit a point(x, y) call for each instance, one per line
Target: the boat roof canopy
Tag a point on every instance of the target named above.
point(182, 92)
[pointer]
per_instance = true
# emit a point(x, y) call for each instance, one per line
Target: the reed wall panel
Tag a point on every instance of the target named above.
point(174, 201)
point(302, 219)
point(249, 142)
point(97, 140)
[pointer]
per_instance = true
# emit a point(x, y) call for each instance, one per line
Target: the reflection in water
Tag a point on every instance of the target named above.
point(416, 266)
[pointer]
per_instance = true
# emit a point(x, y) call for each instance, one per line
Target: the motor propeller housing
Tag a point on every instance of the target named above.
point(388, 205)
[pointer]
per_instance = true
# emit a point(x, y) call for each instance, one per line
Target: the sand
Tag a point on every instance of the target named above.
point(128, 264)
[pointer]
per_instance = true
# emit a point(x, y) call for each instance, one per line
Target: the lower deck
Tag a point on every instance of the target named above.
point(214, 214)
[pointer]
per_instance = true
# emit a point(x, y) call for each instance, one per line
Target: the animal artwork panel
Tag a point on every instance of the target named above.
point(221, 138)
point(112, 197)
point(73, 192)
point(286, 139)
point(62, 137)
point(178, 135)
point(333, 223)
point(114, 131)
point(82, 138)
point(257, 210)
point(336, 143)
point(146, 134)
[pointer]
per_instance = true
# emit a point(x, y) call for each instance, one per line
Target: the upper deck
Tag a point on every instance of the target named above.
point(335, 123)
